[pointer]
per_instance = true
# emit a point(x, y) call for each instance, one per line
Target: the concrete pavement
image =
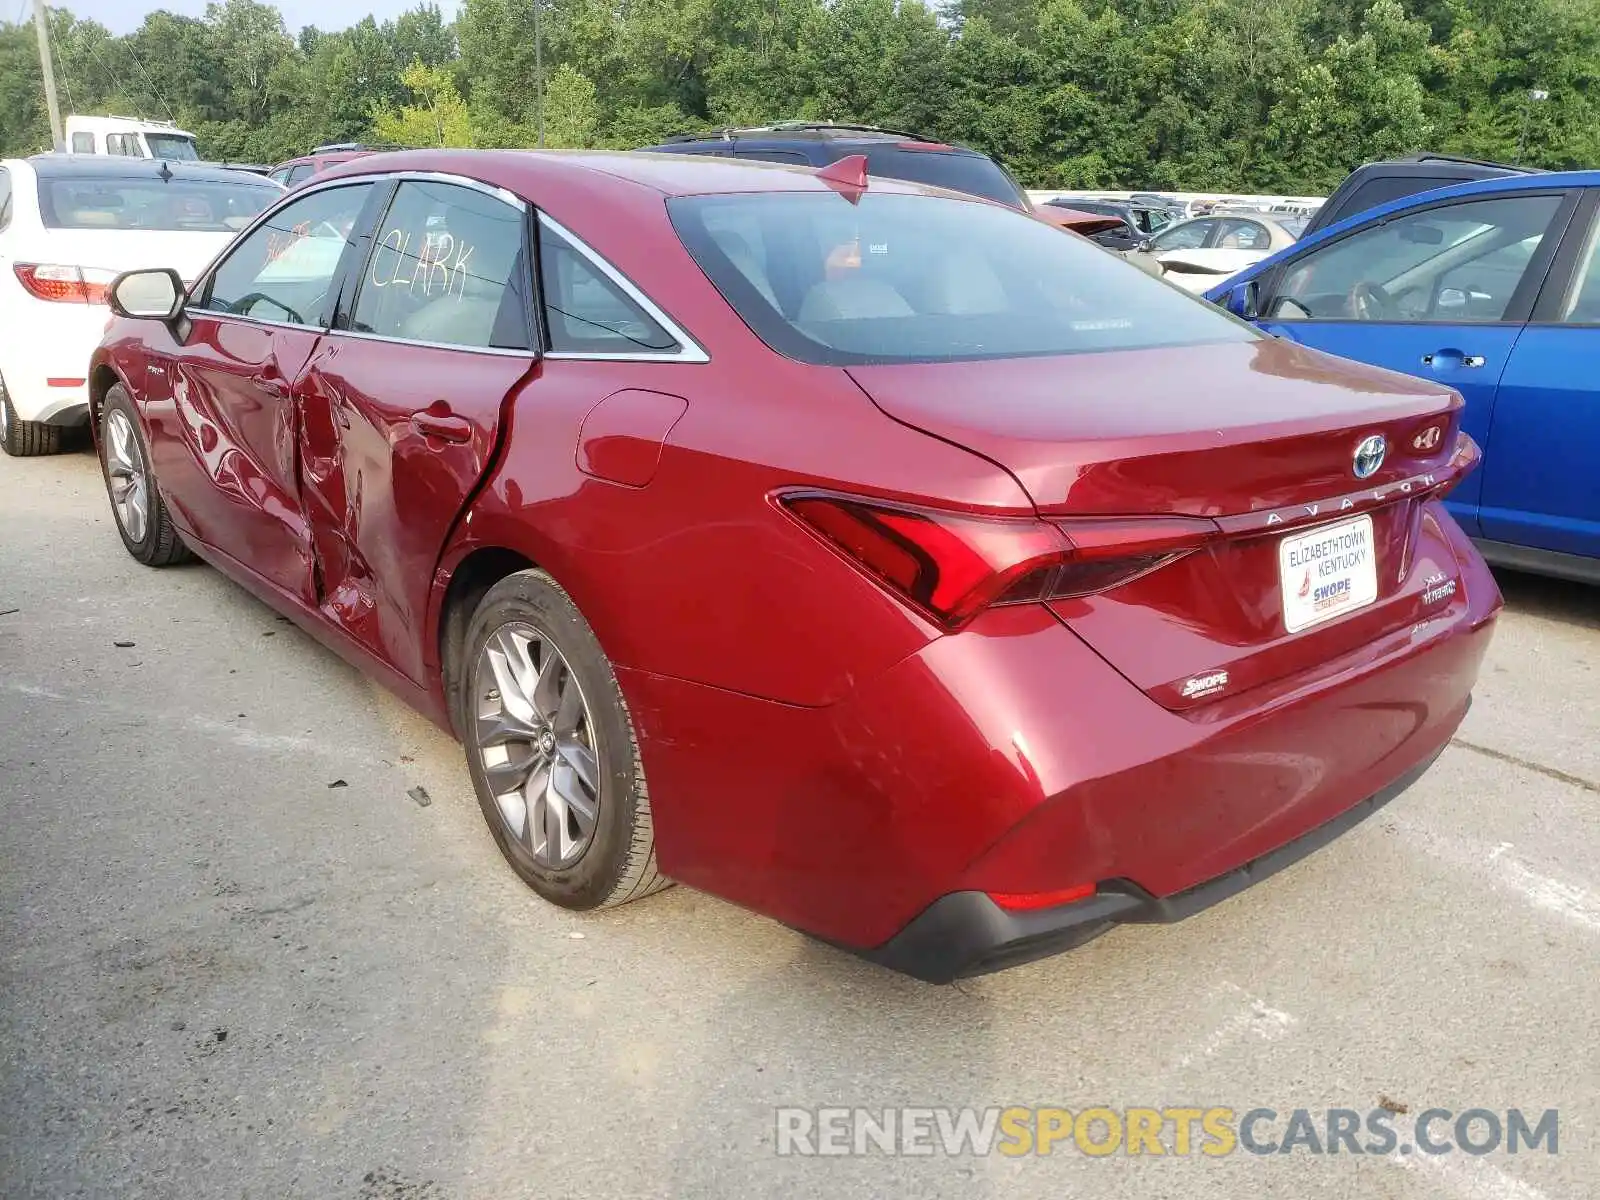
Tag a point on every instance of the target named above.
point(236, 960)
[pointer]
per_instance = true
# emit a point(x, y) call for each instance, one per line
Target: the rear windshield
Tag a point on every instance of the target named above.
point(896, 278)
point(957, 170)
point(151, 203)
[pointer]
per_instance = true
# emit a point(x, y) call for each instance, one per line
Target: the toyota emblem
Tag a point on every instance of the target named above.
point(1369, 456)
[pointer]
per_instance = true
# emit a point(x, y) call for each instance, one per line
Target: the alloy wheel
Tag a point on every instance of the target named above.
point(535, 741)
point(130, 482)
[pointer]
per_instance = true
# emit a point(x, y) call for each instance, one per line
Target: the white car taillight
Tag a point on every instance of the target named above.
point(64, 285)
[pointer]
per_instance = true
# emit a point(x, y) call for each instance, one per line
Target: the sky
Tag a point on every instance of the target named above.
point(124, 16)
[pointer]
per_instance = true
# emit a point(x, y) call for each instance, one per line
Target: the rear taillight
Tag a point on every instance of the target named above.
point(64, 285)
point(953, 565)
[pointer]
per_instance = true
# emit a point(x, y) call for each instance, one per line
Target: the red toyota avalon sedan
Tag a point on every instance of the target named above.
point(873, 556)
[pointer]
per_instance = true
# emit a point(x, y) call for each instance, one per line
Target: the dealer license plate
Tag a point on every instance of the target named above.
point(1327, 572)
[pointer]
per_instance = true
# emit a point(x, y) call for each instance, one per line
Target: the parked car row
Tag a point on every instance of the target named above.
point(1493, 289)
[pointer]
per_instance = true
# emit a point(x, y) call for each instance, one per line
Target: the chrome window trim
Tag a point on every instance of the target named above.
point(477, 185)
point(329, 331)
point(499, 351)
point(192, 312)
point(689, 350)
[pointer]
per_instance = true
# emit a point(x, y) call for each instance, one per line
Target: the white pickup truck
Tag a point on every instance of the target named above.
point(130, 137)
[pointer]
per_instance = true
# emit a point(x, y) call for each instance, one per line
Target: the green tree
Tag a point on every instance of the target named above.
point(437, 115)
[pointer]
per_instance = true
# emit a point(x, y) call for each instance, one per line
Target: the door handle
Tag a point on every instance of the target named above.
point(438, 421)
point(1444, 356)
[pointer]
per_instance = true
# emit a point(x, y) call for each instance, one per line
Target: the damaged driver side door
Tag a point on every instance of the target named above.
point(403, 401)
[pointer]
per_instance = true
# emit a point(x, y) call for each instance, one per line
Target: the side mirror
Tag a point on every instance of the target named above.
point(1451, 298)
point(1144, 245)
point(1244, 300)
point(154, 294)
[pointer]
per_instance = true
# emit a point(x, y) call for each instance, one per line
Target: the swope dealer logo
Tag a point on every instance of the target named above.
point(1204, 685)
point(1330, 595)
point(1100, 1131)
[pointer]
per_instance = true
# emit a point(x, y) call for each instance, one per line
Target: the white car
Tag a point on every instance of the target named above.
point(69, 224)
point(1203, 251)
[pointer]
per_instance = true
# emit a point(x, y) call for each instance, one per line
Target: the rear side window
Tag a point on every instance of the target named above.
point(588, 308)
point(1393, 187)
point(5, 197)
point(1243, 235)
point(83, 143)
point(448, 267)
point(896, 278)
point(960, 171)
point(151, 203)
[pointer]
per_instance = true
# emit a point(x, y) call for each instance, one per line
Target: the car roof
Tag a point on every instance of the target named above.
point(102, 166)
point(1503, 184)
point(803, 131)
point(525, 171)
point(1543, 181)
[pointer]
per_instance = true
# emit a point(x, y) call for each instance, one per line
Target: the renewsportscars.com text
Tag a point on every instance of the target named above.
point(1213, 1132)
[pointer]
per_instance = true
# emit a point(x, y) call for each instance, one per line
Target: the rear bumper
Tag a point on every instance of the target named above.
point(45, 360)
point(1012, 759)
point(967, 933)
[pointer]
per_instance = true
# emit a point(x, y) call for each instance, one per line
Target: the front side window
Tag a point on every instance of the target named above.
point(147, 202)
point(1453, 263)
point(1191, 235)
point(447, 267)
point(898, 278)
point(284, 269)
point(173, 146)
point(300, 172)
point(589, 312)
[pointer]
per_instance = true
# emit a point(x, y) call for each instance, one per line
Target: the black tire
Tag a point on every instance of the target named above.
point(25, 439)
point(619, 861)
point(159, 544)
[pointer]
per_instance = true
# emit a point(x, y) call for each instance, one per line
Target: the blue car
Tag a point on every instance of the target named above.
point(1493, 288)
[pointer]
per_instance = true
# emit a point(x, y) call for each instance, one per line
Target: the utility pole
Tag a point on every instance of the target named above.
point(1535, 96)
point(41, 22)
point(538, 69)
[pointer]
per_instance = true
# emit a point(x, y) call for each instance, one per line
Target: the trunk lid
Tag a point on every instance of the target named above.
point(1257, 438)
point(117, 250)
